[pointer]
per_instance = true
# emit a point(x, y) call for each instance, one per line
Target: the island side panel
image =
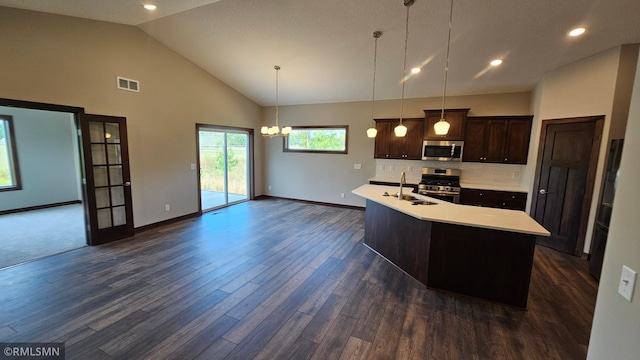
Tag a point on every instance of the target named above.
point(401, 239)
point(489, 264)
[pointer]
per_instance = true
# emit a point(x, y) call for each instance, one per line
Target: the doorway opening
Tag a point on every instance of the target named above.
point(225, 163)
point(41, 197)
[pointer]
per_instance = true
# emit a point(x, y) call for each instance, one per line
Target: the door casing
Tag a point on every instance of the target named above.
point(78, 112)
point(251, 175)
point(591, 172)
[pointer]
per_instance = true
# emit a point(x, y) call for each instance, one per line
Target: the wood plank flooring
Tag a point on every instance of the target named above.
point(276, 279)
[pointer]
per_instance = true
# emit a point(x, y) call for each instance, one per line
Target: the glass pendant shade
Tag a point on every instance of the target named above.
point(372, 132)
point(286, 130)
point(264, 130)
point(441, 127)
point(400, 130)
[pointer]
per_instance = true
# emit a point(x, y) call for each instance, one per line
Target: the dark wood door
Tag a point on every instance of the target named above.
point(389, 146)
point(108, 180)
point(474, 142)
point(414, 139)
point(383, 138)
point(565, 172)
point(517, 148)
point(495, 141)
point(456, 119)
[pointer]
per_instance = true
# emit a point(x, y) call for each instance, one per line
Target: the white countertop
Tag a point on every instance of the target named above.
point(445, 212)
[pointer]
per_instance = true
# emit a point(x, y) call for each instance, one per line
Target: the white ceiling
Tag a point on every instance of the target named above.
point(325, 48)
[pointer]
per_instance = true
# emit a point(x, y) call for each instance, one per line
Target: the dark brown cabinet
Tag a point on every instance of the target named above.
point(455, 117)
point(497, 139)
point(389, 146)
point(518, 136)
point(491, 198)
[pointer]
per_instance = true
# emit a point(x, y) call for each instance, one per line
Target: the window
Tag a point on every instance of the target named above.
point(317, 139)
point(9, 175)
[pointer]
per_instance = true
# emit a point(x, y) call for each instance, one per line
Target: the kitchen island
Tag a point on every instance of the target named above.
point(475, 251)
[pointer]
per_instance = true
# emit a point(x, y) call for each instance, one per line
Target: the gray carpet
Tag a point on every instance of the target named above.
point(31, 235)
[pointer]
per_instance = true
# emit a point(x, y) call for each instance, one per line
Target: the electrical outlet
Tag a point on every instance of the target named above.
point(269, 187)
point(627, 283)
point(409, 168)
point(342, 195)
point(357, 166)
point(167, 207)
point(193, 166)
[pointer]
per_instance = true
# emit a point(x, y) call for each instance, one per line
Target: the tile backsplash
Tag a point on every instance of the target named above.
point(500, 175)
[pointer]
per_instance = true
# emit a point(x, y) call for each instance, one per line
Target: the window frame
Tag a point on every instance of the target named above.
point(285, 140)
point(12, 150)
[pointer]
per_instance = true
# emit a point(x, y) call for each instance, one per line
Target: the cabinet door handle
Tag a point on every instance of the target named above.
point(543, 192)
point(505, 159)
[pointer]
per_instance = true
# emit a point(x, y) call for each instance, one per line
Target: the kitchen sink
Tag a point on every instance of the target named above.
point(423, 202)
point(414, 200)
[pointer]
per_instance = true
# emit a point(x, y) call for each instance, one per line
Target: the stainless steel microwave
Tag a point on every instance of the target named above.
point(442, 150)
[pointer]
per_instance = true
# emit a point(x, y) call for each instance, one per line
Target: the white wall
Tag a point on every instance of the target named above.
point(616, 323)
point(47, 159)
point(323, 177)
point(588, 87)
point(71, 61)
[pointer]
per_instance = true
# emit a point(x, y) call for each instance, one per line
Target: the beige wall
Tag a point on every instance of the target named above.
point(70, 61)
point(322, 177)
point(616, 323)
point(589, 87)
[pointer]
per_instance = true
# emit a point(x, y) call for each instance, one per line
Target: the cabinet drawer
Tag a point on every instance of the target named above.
point(480, 197)
point(492, 198)
point(514, 200)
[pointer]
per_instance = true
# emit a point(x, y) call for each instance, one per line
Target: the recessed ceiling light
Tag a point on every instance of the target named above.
point(149, 6)
point(495, 62)
point(577, 32)
point(415, 70)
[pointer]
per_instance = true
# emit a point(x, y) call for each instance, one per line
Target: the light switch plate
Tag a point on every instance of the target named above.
point(627, 283)
point(193, 166)
point(357, 166)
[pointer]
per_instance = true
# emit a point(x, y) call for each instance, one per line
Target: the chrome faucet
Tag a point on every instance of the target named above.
point(403, 181)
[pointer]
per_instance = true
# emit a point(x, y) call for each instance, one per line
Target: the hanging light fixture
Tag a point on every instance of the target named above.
point(372, 131)
point(272, 131)
point(401, 130)
point(442, 126)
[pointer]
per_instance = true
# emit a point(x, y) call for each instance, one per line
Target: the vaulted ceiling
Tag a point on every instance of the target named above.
point(325, 48)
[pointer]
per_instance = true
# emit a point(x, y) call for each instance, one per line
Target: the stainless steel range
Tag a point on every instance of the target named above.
point(443, 184)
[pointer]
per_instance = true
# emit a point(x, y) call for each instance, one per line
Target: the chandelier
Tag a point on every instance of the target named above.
point(273, 131)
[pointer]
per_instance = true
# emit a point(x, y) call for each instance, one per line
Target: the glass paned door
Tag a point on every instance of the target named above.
point(224, 166)
point(108, 183)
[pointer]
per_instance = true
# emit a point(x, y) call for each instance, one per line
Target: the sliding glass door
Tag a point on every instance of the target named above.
point(225, 166)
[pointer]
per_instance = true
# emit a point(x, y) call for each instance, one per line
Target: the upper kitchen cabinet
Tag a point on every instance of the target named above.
point(455, 117)
point(497, 139)
point(389, 146)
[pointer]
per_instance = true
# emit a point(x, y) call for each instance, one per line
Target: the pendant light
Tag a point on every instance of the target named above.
point(401, 130)
point(372, 131)
point(442, 126)
point(272, 131)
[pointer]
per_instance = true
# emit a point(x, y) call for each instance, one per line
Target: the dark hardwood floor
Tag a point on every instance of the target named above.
point(276, 279)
